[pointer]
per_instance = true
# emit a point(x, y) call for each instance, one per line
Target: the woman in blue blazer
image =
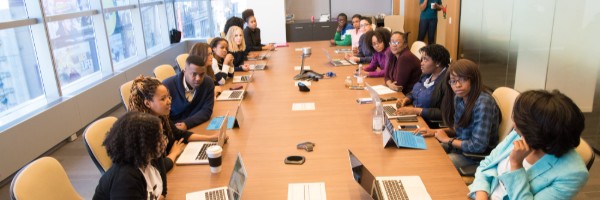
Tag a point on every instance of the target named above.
point(537, 160)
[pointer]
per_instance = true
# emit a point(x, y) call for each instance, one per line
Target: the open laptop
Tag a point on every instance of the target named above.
point(231, 192)
point(400, 138)
point(256, 67)
point(261, 56)
point(390, 112)
point(387, 187)
point(243, 78)
point(338, 62)
point(195, 152)
point(232, 95)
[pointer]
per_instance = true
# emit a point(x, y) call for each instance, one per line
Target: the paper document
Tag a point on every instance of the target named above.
point(297, 68)
point(307, 191)
point(382, 90)
point(303, 106)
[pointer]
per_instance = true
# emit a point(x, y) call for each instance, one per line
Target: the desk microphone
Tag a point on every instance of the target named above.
point(306, 52)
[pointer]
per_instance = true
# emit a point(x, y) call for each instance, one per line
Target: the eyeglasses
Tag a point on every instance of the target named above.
point(394, 43)
point(461, 80)
point(363, 25)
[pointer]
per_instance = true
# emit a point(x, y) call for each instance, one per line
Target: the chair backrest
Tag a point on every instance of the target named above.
point(416, 46)
point(505, 98)
point(44, 178)
point(222, 34)
point(208, 40)
point(93, 137)
point(181, 60)
point(125, 91)
point(586, 152)
point(395, 22)
point(163, 72)
point(388, 28)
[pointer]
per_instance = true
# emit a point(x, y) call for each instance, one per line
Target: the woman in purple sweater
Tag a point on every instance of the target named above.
point(378, 42)
point(403, 67)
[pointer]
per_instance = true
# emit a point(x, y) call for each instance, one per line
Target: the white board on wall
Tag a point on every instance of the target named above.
point(351, 7)
point(270, 16)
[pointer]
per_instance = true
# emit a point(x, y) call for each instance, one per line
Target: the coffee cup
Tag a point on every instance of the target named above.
point(432, 5)
point(214, 158)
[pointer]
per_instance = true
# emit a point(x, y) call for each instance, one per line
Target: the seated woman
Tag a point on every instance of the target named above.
point(403, 69)
point(378, 42)
point(222, 64)
point(237, 48)
point(537, 159)
point(149, 95)
point(426, 95)
point(351, 35)
point(252, 33)
point(363, 53)
point(471, 113)
point(136, 173)
point(204, 51)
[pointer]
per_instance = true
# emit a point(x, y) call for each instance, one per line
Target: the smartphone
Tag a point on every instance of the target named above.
point(408, 127)
point(388, 99)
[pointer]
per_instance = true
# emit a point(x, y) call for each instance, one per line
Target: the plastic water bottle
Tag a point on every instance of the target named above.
point(378, 118)
point(348, 82)
point(359, 77)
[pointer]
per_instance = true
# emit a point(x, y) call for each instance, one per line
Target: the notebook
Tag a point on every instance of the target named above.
point(338, 62)
point(232, 95)
point(231, 192)
point(195, 152)
point(401, 138)
point(243, 78)
point(387, 187)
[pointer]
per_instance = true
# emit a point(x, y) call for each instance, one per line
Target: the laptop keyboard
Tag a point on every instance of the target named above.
point(389, 110)
point(235, 94)
point(394, 189)
point(215, 194)
point(202, 154)
point(406, 138)
point(244, 78)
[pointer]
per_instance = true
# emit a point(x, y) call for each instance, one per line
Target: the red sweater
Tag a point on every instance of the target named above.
point(404, 69)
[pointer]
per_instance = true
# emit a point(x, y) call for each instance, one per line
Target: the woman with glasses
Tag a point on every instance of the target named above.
point(537, 160)
point(378, 42)
point(363, 53)
point(134, 144)
point(352, 35)
point(470, 112)
point(403, 69)
point(149, 95)
point(426, 95)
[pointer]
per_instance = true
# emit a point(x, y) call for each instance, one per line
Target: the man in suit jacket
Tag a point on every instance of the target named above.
point(192, 93)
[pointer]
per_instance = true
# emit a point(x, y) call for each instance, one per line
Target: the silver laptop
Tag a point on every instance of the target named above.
point(195, 152)
point(256, 67)
point(261, 56)
point(232, 95)
point(390, 112)
point(343, 50)
point(231, 192)
point(387, 187)
point(243, 78)
point(338, 62)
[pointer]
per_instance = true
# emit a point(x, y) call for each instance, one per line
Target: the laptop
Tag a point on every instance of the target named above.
point(243, 78)
point(390, 112)
point(343, 50)
point(195, 152)
point(261, 56)
point(232, 95)
point(256, 67)
point(401, 138)
point(231, 192)
point(338, 62)
point(387, 187)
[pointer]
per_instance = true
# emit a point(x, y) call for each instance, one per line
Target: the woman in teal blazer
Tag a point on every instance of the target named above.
point(537, 160)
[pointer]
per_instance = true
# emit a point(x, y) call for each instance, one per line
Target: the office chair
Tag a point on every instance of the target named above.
point(44, 178)
point(125, 92)
point(208, 40)
point(163, 72)
point(93, 137)
point(586, 152)
point(395, 22)
point(505, 99)
point(181, 60)
point(416, 46)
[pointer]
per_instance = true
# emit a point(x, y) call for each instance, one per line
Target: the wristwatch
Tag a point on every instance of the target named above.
point(450, 147)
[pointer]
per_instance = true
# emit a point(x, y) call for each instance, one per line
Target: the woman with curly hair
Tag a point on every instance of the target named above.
point(133, 144)
point(149, 95)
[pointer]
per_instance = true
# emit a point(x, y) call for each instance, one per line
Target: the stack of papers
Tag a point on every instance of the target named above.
point(307, 191)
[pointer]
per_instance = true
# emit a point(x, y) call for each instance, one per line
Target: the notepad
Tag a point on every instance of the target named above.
point(216, 121)
point(382, 90)
point(409, 139)
point(303, 106)
point(307, 191)
point(297, 68)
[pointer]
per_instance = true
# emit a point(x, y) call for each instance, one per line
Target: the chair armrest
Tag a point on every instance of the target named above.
point(468, 170)
point(475, 156)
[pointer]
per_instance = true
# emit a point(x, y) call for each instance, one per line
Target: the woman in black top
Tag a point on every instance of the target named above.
point(237, 48)
point(133, 144)
point(252, 33)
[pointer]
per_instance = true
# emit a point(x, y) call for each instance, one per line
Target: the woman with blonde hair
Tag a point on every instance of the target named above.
point(149, 95)
point(237, 48)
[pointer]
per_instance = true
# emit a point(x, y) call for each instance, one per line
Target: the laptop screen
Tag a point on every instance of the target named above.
point(361, 174)
point(238, 178)
point(374, 95)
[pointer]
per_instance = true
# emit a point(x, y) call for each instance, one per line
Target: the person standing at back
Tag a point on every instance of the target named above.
point(428, 19)
point(252, 33)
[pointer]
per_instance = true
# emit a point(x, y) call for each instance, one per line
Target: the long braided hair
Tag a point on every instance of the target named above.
point(144, 88)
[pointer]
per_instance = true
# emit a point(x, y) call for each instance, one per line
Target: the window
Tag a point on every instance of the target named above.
point(223, 10)
point(12, 10)
point(193, 19)
point(152, 27)
point(57, 7)
point(120, 36)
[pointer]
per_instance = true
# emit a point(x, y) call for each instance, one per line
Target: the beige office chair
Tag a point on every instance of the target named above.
point(586, 152)
point(163, 72)
point(181, 60)
point(93, 137)
point(388, 28)
point(395, 22)
point(44, 178)
point(125, 92)
point(223, 34)
point(208, 40)
point(416, 46)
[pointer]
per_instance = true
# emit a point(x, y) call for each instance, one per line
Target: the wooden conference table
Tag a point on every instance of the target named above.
point(270, 131)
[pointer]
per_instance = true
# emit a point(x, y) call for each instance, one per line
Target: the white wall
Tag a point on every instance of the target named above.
point(305, 9)
point(270, 16)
